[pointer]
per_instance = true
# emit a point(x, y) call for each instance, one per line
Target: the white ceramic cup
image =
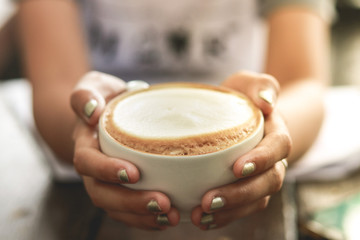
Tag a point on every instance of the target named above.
point(184, 179)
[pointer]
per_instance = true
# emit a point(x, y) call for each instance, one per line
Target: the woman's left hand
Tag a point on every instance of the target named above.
point(261, 171)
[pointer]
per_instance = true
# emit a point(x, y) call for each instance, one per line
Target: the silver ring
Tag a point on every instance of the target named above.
point(285, 163)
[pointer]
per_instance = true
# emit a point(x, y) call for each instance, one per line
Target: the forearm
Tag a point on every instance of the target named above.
point(55, 121)
point(302, 107)
point(55, 58)
point(298, 57)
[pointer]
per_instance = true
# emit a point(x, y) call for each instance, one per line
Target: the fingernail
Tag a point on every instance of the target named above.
point(135, 85)
point(206, 219)
point(248, 169)
point(285, 163)
point(162, 220)
point(268, 96)
point(90, 107)
point(217, 203)
point(153, 206)
point(122, 175)
point(212, 226)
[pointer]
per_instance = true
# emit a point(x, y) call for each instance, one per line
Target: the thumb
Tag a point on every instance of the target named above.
point(89, 97)
point(262, 89)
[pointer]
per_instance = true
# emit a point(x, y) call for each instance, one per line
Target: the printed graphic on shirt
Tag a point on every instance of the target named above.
point(184, 35)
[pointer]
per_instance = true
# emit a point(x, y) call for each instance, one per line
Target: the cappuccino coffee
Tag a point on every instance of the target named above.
point(183, 137)
point(181, 119)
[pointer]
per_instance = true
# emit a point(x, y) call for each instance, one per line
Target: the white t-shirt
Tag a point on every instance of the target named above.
point(155, 39)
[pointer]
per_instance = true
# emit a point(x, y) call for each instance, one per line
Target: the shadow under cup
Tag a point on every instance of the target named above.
point(183, 178)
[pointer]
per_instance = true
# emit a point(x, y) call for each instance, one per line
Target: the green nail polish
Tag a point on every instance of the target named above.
point(217, 203)
point(90, 107)
point(212, 226)
point(268, 96)
point(122, 175)
point(162, 220)
point(285, 163)
point(206, 219)
point(248, 169)
point(153, 206)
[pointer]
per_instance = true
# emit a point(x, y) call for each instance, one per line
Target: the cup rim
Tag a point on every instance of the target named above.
point(255, 133)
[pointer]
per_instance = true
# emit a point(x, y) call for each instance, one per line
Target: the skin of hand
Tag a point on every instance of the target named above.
point(106, 190)
point(298, 59)
point(100, 173)
point(103, 176)
point(56, 59)
point(247, 196)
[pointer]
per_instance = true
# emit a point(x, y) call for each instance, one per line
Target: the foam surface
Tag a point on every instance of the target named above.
point(180, 112)
point(181, 119)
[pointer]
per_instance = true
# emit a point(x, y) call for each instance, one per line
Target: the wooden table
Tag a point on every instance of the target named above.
point(35, 207)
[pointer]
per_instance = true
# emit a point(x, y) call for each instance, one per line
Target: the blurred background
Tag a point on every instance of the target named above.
point(310, 197)
point(345, 43)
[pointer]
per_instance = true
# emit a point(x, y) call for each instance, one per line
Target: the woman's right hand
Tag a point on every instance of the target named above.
point(104, 176)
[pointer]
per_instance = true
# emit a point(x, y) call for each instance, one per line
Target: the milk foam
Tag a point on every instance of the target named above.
point(179, 112)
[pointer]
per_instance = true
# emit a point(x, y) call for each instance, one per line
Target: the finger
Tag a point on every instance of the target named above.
point(207, 221)
point(148, 222)
point(275, 146)
point(118, 198)
point(91, 94)
point(245, 191)
point(262, 89)
point(90, 161)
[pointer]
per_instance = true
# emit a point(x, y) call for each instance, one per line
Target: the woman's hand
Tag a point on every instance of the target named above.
point(262, 89)
point(261, 171)
point(92, 93)
point(104, 176)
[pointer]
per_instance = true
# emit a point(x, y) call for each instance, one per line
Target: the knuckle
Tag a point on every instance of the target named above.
point(83, 165)
point(263, 204)
point(78, 161)
point(281, 136)
point(276, 179)
point(271, 79)
point(268, 77)
point(285, 140)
